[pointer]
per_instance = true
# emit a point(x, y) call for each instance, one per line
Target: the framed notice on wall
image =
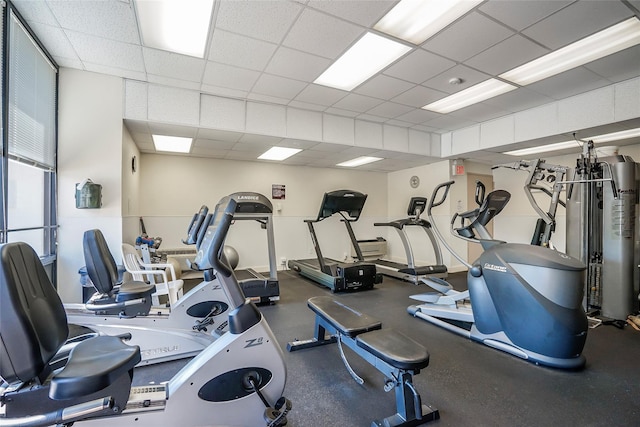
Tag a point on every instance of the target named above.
point(277, 191)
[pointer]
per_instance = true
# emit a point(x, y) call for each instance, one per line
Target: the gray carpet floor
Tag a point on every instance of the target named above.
point(470, 384)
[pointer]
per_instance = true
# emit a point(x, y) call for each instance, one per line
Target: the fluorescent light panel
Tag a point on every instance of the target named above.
point(278, 153)
point(596, 46)
point(359, 161)
point(175, 25)
point(416, 21)
point(472, 95)
point(366, 57)
point(174, 144)
point(599, 139)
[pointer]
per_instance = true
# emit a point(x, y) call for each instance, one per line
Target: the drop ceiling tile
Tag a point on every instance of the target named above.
point(213, 153)
point(107, 19)
point(114, 71)
point(479, 113)
point(58, 44)
point(418, 96)
point(358, 151)
point(418, 66)
point(521, 14)
point(280, 87)
point(229, 77)
point(252, 96)
point(577, 21)
point(619, 66)
point(173, 65)
point(297, 65)
point(321, 34)
point(518, 100)
point(245, 52)
point(259, 140)
point(35, 11)
point(172, 130)
point(297, 143)
point(469, 77)
point(219, 136)
point(417, 116)
point(329, 147)
point(223, 91)
point(372, 118)
point(506, 55)
point(320, 95)
point(106, 52)
point(210, 144)
point(462, 40)
point(70, 63)
point(362, 12)
point(383, 87)
point(341, 112)
point(307, 106)
point(399, 123)
point(447, 122)
point(390, 110)
point(569, 83)
point(356, 102)
point(263, 20)
point(243, 155)
point(168, 81)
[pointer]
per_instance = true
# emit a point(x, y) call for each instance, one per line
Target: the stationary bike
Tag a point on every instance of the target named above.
point(236, 381)
point(163, 333)
point(522, 299)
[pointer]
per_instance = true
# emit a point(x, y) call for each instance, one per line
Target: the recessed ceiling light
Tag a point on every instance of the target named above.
point(369, 55)
point(174, 25)
point(472, 95)
point(174, 144)
point(598, 139)
point(598, 45)
point(278, 153)
point(359, 161)
point(416, 21)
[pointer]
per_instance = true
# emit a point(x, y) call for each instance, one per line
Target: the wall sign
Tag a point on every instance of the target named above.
point(278, 191)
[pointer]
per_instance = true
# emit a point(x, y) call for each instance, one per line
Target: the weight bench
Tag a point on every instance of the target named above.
point(397, 356)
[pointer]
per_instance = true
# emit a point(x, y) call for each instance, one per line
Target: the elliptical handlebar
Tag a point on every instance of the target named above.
point(480, 192)
point(432, 202)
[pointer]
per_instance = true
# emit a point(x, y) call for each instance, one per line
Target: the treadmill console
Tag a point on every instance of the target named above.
point(417, 205)
point(347, 201)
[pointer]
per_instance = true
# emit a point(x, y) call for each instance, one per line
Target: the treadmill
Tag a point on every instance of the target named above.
point(336, 275)
point(249, 206)
point(410, 272)
point(257, 287)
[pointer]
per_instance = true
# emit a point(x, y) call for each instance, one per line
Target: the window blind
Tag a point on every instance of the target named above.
point(31, 100)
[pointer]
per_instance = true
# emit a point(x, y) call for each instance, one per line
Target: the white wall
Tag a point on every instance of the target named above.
point(89, 146)
point(172, 189)
point(130, 188)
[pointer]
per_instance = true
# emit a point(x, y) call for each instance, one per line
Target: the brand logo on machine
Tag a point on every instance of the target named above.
point(159, 350)
point(499, 268)
point(247, 197)
point(253, 342)
point(222, 326)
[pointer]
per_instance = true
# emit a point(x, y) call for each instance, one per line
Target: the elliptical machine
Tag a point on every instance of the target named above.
point(522, 299)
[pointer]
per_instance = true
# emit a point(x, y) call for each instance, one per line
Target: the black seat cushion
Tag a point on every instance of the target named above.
point(101, 267)
point(93, 365)
point(33, 323)
point(133, 290)
point(345, 319)
point(397, 349)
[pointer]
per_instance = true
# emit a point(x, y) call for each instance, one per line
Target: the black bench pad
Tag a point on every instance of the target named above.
point(345, 319)
point(94, 364)
point(396, 349)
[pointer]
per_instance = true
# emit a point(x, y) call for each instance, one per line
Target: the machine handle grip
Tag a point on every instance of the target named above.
point(216, 255)
point(480, 192)
point(432, 202)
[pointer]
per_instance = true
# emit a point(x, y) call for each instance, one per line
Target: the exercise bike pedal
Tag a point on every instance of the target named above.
point(277, 416)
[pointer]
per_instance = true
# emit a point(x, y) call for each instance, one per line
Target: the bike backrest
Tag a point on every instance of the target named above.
point(33, 323)
point(101, 267)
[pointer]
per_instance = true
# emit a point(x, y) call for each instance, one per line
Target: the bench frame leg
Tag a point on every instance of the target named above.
point(320, 337)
